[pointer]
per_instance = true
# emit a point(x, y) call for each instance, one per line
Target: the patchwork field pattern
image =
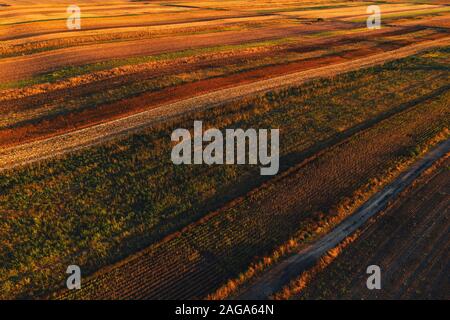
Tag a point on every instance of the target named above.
point(86, 117)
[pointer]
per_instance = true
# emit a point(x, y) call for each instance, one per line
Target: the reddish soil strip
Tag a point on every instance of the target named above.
point(15, 103)
point(79, 119)
point(34, 151)
point(410, 243)
point(30, 131)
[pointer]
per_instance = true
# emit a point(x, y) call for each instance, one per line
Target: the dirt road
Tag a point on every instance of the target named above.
point(279, 276)
point(409, 242)
point(58, 145)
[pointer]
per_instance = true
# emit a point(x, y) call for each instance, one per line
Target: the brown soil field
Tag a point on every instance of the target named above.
point(409, 242)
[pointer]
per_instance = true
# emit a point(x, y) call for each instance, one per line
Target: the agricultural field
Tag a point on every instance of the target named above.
point(400, 241)
point(86, 175)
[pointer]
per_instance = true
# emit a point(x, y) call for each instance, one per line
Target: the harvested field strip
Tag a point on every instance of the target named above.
point(69, 201)
point(417, 35)
point(59, 14)
point(85, 17)
point(391, 17)
point(33, 45)
point(294, 9)
point(270, 29)
point(327, 39)
point(414, 230)
point(286, 54)
point(97, 115)
point(16, 119)
point(13, 100)
point(328, 33)
point(44, 10)
point(359, 11)
point(100, 25)
point(387, 35)
point(18, 68)
point(440, 22)
point(238, 70)
point(234, 236)
point(72, 71)
point(42, 46)
point(251, 20)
